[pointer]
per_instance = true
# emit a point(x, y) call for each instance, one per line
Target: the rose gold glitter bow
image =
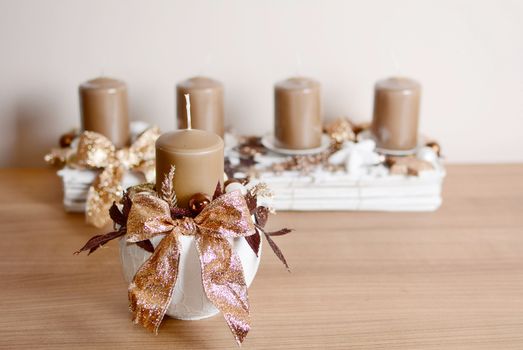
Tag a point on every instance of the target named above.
point(95, 151)
point(151, 290)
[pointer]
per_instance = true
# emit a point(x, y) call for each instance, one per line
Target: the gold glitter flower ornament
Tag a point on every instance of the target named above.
point(340, 130)
point(95, 151)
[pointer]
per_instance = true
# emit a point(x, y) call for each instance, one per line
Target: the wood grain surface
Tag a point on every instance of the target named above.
point(452, 279)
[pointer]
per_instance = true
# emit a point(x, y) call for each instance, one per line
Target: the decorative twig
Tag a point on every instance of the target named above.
point(167, 192)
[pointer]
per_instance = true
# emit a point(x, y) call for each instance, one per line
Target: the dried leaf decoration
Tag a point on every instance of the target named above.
point(281, 232)
point(167, 192)
point(261, 214)
point(251, 200)
point(146, 245)
point(254, 242)
point(218, 191)
point(99, 240)
point(120, 222)
point(116, 215)
point(275, 247)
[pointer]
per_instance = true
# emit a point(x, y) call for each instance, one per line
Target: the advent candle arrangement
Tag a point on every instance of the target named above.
point(198, 159)
point(207, 111)
point(297, 114)
point(186, 253)
point(103, 107)
point(396, 115)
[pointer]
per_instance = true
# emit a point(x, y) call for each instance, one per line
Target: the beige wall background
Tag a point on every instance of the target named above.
point(467, 54)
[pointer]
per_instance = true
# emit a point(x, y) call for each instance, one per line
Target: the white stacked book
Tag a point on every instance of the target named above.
point(369, 187)
point(376, 190)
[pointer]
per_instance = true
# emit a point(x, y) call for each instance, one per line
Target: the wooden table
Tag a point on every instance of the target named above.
point(452, 279)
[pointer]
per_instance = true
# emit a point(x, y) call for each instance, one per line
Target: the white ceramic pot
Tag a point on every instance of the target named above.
point(189, 301)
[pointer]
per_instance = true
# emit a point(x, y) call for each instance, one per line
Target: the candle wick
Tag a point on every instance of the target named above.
point(188, 107)
point(394, 59)
point(298, 64)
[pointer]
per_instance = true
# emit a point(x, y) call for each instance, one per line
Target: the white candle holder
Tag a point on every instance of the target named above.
point(189, 301)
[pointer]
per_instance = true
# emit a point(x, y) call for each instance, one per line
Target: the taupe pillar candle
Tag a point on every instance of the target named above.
point(198, 158)
point(206, 104)
point(103, 107)
point(396, 114)
point(297, 113)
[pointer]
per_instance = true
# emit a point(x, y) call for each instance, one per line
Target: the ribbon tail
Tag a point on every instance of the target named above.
point(224, 282)
point(105, 190)
point(151, 290)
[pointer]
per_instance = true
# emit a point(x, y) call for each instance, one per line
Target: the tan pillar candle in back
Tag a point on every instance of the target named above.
point(297, 113)
point(103, 107)
point(206, 104)
point(396, 114)
point(198, 158)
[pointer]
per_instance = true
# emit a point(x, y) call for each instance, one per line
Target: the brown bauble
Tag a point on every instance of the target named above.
point(67, 139)
point(435, 147)
point(197, 202)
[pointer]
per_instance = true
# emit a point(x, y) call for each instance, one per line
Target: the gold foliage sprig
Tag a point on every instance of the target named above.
point(167, 191)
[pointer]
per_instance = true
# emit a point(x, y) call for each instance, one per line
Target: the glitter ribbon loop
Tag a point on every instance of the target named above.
point(151, 290)
point(95, 151)
point(149, 216)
